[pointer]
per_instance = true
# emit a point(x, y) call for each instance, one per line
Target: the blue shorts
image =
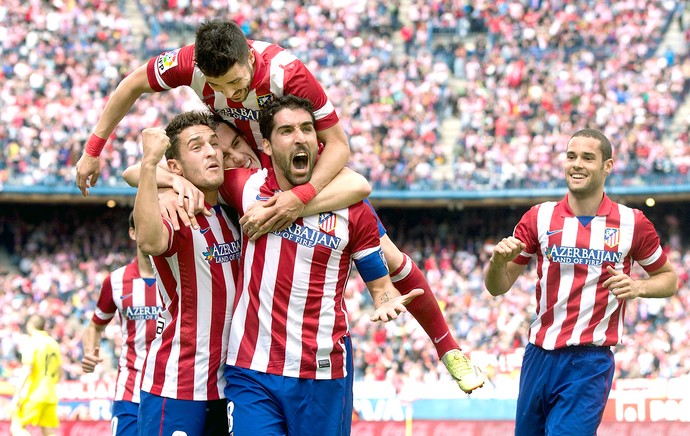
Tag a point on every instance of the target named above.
point(166, 416)
point(382, 230)
point(563, 391)
point(124, 420)
point(273, 405)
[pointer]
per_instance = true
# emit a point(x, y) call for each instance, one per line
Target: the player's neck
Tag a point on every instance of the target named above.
point(585, 205)
point(145, 267)
point(211, 197)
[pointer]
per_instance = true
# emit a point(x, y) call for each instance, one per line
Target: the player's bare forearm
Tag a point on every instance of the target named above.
point(122, 100)
point(90, 342)
point(388, 302)
point(334, 157)
point(501, 272)
point(152, 236)
point(347, 188)
point(661, 283)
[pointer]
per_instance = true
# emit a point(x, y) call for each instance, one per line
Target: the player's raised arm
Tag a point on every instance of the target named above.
point(119, 103)
point(152, 236)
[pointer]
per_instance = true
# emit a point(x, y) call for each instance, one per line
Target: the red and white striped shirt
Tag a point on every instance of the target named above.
point(137, 301)
point(573, 308)
point(290, 318)
point(196, 278)
point(277, 72)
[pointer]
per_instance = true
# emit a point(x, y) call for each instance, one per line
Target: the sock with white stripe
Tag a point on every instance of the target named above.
point(424, 308)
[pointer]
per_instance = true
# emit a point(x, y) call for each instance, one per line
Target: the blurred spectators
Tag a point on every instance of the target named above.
point(60, 255)
point(519, 76)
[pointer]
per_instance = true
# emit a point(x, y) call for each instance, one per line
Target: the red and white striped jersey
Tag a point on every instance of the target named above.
point(137, 301)
point(290, 318)
point(196, 279)
point(277, 72)
point(573, 308)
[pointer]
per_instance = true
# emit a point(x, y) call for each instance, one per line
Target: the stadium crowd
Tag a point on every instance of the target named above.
point(59, 256)
point(518, 76)
point(395, 78)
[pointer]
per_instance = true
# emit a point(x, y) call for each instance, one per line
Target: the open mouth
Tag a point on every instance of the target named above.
point(300, 161)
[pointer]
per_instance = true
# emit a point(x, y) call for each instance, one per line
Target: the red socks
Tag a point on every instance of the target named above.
point(424, 308)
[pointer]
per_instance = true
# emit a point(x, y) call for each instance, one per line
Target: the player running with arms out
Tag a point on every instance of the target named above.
point(584, 246)
point(288, 368)
point(35, 401)
point(131, 292)
point(182, 390)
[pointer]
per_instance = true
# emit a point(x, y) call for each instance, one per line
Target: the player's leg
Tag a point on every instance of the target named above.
point(48, 419)
point(316, 407)
point(26, 414)
point(349, 388)
point(169, 415)
point(530, 417)
point(216, 418)
point(581, 390)
point(406, 276)
point(124, 420)
point(252, 404)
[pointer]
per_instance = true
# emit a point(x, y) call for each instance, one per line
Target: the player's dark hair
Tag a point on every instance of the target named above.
point(604, 143)
point(130, 220)
point(219, 45)
point(217, 120)
point(181, 122)
point(267, 114)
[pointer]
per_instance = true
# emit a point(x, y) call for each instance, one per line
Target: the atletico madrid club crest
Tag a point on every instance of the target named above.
point(327, 222)
point(264, 100)
point(612, 237)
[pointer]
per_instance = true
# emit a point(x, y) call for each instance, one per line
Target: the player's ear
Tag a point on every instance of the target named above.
point(266, 145)
point(174, 166)
point(608, 166)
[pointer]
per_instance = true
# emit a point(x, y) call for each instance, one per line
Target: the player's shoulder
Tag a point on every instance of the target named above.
point(181, 57)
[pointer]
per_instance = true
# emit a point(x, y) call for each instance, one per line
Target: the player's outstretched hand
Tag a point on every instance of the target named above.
point(390, 308)
point(89, 361)
point(88, 170)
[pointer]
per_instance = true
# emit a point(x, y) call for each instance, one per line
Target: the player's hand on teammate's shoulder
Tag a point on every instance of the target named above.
point(274, 214)
point(189, 197)
point(176, 213)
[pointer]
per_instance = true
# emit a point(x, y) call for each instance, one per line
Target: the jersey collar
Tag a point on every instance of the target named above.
point(604, 208)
